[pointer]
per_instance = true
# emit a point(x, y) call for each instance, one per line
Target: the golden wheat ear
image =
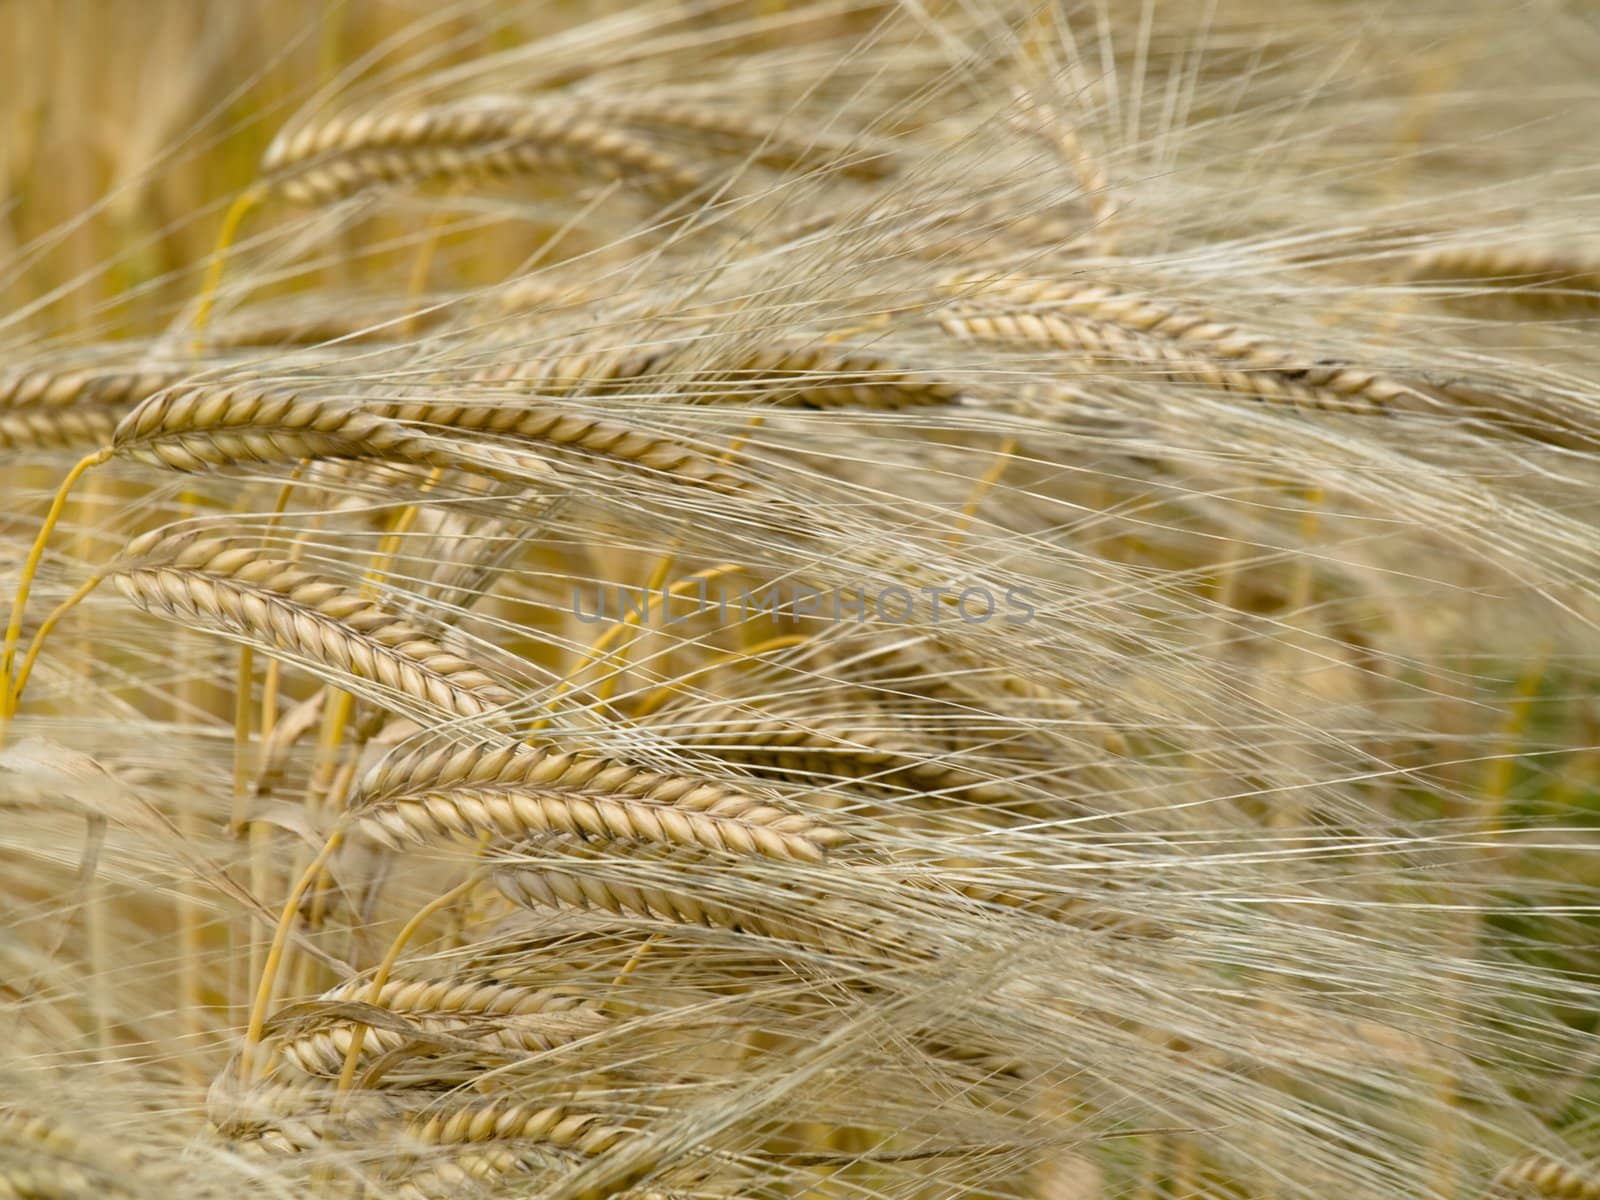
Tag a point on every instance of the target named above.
point(337, 157)
point(230, 587)
point(515, 791)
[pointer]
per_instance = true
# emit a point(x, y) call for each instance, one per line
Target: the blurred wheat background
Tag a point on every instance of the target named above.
point(1219, 383)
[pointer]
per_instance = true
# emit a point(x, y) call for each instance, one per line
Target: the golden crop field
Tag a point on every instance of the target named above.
point(759, 599)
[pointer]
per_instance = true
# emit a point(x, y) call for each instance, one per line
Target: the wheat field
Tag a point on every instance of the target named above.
point(859, 599)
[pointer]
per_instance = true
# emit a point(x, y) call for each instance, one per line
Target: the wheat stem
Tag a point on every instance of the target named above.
point(269, 971)
point(237, 211)
point(380, 977)
point(30, 568)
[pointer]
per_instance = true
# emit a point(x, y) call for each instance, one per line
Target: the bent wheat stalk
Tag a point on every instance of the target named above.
point(1075, 314)
point(820, 376)
point(221, 425)
point(801, 918)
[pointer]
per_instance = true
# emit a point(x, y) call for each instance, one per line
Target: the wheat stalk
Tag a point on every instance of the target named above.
point(802, 919)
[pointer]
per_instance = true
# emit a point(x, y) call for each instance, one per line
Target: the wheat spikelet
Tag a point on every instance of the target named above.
point(450, 996)
point(801, 376)
point(569, 429)
point(46, 408)
point(1529, 275)
point(848, 748)
point(290, 1117)
point(207, 426)
point(801, 919)
point(228, 586)
point(342, 155)
point(1097, 318)
point(46, 1160)
point(516, 790)
point(204, 427)
point(500, 1120)
point(359, 321)
point(109, 387)
point(58, 429)
point(497, 1018)
point(818, 376)
point(1062, 134)
point(1331, 388)
point(508, 1137)
point(323, 1051)
point(1539, 1176)
point(461, 1173)
point(588, 371)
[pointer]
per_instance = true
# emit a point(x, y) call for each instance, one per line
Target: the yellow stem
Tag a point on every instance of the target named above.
point(241, 737)
point(49, 623)
point(663, 693)
point(418, 283)
point(237, 212)
point(269, 681)
point(280, 938)
point(606, 640)
point(969, 510)
point(30, 568)
point(633, 962)
point(347, 1073)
